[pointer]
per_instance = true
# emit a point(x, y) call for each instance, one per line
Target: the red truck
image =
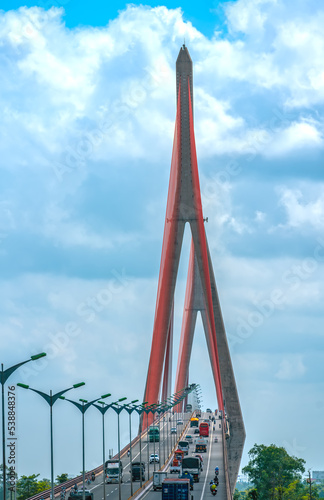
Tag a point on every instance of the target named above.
point(204, 429)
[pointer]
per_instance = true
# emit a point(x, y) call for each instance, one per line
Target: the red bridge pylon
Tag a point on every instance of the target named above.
point(184, 205)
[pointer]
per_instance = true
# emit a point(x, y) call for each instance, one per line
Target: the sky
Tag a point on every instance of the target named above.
point(87, 94)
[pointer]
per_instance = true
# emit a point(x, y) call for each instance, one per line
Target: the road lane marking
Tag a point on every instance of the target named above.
point(210, 447)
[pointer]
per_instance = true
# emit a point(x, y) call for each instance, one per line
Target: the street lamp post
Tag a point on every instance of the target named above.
point(163, 409)
point(167, 407)
point(118, 409)
point(4, 375)
point(83, 407)
point(170, 406)
point(148, 410)
point(153, 434)
point(139, 410)
point(50, 400)
point(159, 412)
point(130, 410)
point(103, 408)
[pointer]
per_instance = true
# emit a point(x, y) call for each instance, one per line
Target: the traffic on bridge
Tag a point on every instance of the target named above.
point(177, 446)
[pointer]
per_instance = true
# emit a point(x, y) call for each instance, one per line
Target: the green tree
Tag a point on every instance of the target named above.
point(43, 484)
point(296, 491)
point(271, 470)
point(62, 478)
point(239, 495)
point(27, 486)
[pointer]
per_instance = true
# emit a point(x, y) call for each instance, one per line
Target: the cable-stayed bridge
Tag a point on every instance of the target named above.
point(162, 406)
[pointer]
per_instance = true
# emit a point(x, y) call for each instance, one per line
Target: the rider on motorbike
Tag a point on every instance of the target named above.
point(213, 488)
point(216, 471)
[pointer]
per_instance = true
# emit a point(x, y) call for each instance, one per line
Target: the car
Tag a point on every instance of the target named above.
point(154, 457)
point(208, 410)
point(189, 438)
point(173, 430)
point(179, 422)
point(196, 431)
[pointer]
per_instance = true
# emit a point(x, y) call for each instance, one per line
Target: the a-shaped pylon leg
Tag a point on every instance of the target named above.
point(236, 441)
point(194, 302)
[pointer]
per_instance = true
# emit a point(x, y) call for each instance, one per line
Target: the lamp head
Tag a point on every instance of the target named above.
point(24, 386)
point(38, 356)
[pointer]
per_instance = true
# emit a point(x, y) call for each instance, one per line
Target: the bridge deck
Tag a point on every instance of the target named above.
point(213, 458)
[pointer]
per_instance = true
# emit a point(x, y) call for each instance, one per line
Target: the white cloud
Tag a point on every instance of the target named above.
point(291, 367)
point(71, 84)
point(301, 212)
point(297, 136)
point(247, 16)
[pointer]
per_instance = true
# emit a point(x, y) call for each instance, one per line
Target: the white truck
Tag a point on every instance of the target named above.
point(158, 477)
point(114, 471)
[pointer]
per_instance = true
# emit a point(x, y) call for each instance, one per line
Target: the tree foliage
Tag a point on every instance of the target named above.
point(239, 495)
point(43, 484)
point(27, 486)
point(271, 470)
point(62, 478)
point(298, 491)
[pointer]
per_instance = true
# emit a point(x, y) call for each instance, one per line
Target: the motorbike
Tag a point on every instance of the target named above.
point(213, 490)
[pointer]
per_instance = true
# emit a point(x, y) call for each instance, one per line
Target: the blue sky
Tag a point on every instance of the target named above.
point(209, 14)
point(88, 107)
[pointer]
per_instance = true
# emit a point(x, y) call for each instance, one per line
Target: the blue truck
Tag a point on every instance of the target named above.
point(176, 489)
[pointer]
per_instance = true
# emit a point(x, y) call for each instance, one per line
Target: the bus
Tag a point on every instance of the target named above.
point(194, 422)
point(154, 434)
point(204, 429)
